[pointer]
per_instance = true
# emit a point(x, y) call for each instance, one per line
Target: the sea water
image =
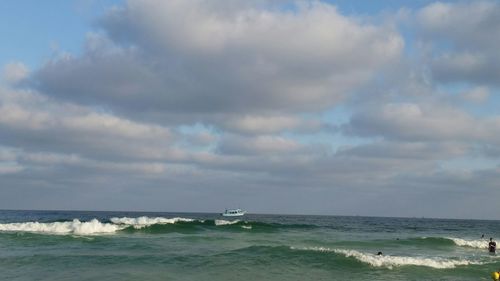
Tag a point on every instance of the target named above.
point(61, 245)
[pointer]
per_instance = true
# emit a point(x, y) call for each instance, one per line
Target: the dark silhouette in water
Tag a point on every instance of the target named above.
point(492, 246)
point(379, 253)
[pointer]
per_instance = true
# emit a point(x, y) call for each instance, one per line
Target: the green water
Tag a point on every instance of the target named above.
point(118, 246)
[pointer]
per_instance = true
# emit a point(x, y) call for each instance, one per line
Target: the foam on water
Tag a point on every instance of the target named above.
point(225, 222)
point(392, 261)
point(480, 244)
point(69, 227)
point(141, 222)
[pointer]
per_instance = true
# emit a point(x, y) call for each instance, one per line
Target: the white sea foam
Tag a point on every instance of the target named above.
point(246, 226)
point(69, 227)
point(225, 222)
point(480, 244)
point(393, 261)
point(141, 222)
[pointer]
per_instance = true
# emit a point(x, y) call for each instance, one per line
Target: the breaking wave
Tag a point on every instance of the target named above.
point(480, 244)
point(69, 227)
point(392, 261)
point(115, 224)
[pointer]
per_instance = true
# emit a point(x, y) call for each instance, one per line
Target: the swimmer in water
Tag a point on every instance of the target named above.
point(492, 246)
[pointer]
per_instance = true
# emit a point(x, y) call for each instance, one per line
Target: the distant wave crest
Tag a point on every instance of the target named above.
point(225, 222)
point(142, 222)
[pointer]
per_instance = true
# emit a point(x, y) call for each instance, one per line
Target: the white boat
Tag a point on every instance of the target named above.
point(233, 213)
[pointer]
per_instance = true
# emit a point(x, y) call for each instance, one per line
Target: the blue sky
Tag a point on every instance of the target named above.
point(36, 30)
point(334, 107)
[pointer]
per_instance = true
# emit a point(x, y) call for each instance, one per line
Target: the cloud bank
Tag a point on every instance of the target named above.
point(271, 106)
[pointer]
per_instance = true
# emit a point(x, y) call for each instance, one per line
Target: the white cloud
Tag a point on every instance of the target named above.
point(269, 124)
point(412, 151)
point(15, 115)
point(7, 154)
point(10, 168)
point(164, 57)
point(465, 36)
point(9, 161)
point(472, 24)
point(424, 122)
point(47, 158)
point(38, 123)
point(15, 72)
point(477, 94)
point(259, 145)
point(106, 124)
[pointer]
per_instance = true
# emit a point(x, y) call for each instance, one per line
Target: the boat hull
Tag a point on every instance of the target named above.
point(233, 215)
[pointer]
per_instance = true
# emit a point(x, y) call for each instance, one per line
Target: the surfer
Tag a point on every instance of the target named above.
point(379, 254)
point(492, 246)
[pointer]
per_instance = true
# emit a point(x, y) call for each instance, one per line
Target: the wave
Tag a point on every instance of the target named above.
point(179, 224)
point(471, 243)
point(444, 242)
point(142, 222)
point(243, 225)
point(392, 261)
point(161, 224)
point(225, 222)
point(75, 227)
point(148, 224)
point(478, 243)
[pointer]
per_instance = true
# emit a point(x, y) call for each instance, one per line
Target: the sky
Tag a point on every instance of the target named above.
point(375, 108)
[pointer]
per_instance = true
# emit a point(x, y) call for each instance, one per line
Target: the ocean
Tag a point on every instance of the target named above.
point(77, 245)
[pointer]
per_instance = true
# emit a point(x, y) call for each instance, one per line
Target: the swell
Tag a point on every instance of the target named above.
point(432, 242)
point(449, 241)
point(426, 242)
point(347, 258)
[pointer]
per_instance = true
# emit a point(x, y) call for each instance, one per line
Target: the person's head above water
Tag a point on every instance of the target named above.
point(491, 239)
